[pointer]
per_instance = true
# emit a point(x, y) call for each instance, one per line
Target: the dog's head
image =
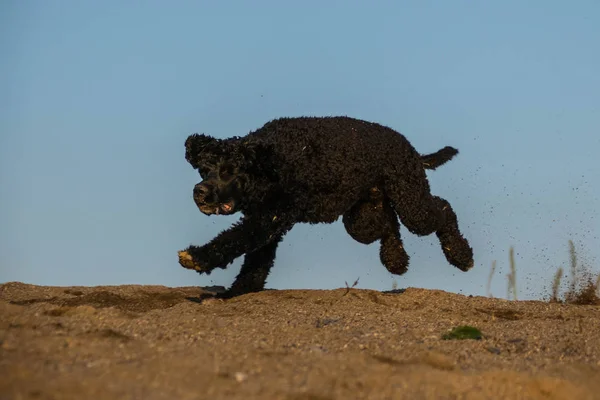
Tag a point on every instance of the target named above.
point(226, 167)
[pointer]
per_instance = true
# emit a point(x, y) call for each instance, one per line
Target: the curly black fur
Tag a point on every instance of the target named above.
point(314, 170)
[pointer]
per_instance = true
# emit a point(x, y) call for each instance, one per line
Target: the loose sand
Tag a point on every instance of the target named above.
point(151, 342)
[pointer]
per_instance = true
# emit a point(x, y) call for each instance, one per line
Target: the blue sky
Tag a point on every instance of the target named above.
point(97, 98)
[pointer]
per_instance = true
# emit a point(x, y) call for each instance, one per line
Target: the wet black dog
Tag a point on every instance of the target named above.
point(314, 170)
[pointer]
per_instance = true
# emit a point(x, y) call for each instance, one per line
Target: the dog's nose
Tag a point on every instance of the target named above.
point(200, 191)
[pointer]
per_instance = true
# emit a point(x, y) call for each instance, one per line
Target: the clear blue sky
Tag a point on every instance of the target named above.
point(97, 98)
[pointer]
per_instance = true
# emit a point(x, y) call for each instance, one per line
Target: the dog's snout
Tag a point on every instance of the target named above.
point(201, 190)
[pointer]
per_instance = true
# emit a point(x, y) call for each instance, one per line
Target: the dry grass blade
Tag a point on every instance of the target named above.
point(489, 282)
point(324, 321)
point(512, 277)
point(556, 285)
point(573, 287)
point(348, 288)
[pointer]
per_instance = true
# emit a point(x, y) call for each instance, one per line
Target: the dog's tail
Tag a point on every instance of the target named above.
point(440, 157)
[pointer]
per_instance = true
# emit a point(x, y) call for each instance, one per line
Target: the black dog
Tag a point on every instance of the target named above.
point(314, 170)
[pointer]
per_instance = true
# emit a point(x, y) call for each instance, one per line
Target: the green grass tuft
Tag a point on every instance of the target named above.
point(462, 333)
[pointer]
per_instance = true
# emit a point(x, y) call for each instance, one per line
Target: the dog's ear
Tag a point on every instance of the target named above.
point(200, 146)
point(256, 156)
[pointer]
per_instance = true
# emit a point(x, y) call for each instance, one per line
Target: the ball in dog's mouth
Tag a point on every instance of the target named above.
point(221, 209)
point(227, 207)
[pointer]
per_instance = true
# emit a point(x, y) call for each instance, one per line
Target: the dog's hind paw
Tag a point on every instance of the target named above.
point(460, 255)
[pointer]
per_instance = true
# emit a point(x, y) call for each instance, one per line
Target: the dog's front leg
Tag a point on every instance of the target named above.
point(248, 235)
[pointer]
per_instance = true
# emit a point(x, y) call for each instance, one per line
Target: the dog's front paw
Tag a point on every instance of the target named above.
point(187, 261)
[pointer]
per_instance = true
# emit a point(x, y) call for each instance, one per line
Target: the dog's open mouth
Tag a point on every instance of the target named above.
point(218, 209)
point(225, 208)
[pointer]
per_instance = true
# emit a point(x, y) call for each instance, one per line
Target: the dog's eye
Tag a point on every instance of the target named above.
point(226, 172)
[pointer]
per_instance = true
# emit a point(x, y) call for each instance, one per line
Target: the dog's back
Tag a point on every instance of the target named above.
point(345, 140)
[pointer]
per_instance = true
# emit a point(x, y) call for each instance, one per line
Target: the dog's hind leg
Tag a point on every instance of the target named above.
point(366, 221)
point(456, 248)
point(392, 253)
point(374, 219)
point(423, 214)
point(409, 194)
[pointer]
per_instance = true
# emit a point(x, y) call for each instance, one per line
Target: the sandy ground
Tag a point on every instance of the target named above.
point(152, 342)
